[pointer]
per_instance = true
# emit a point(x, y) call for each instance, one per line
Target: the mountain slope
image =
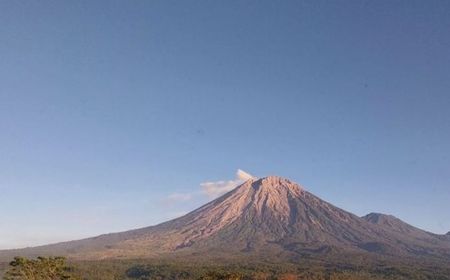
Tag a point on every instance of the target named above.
point(271, 216)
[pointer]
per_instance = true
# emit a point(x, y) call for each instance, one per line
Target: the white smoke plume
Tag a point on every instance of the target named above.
point(215, 189)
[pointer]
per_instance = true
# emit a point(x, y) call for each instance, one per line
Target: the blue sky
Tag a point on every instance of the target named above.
point(114, 114)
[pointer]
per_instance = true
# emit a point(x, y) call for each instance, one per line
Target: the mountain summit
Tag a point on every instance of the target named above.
point(270, 216)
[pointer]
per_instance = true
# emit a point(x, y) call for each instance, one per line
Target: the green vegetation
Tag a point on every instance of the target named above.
point(39, 269)
point(56, 269)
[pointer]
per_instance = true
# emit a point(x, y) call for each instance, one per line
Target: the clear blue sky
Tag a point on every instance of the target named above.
point(113, 113)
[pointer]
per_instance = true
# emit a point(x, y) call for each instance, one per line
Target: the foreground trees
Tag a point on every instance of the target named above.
point(52, 268)
point(56, 269)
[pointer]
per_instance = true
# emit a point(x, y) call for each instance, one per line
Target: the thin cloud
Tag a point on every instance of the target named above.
point(217, 188)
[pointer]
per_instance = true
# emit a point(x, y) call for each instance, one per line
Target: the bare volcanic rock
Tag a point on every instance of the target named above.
point(271, 216)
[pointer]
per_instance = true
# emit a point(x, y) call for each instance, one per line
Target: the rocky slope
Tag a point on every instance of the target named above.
point(271, 216)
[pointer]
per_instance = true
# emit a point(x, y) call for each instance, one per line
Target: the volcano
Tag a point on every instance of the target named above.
point(269, 217)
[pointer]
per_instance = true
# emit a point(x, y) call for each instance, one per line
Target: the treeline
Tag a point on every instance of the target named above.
point(313, 273)
point(57, 268)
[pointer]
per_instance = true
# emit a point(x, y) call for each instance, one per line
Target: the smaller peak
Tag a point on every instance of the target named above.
point(372, 217)
point(448, 233)
point(375, 217)
point(379, 218)
point(373, 214)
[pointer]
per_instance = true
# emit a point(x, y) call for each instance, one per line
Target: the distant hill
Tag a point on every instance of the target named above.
point(270, 218)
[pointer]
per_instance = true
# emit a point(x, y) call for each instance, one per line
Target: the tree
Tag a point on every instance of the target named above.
point(288, 276)
point(52, 268)
point(216, 275)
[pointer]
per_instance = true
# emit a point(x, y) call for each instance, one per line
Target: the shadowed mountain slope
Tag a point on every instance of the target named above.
point(272, 217)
